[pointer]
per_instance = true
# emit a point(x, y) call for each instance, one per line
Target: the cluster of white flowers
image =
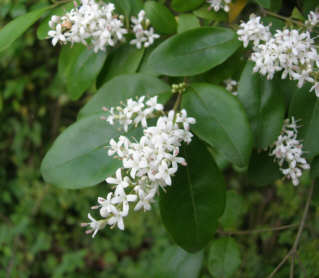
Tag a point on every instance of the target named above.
point(313, 20)
point(92, 24)
point(231, 86)
point(288, 152)
point(290, 51)
point(147, 164)
point(95, 25)
point(253, 31)
point(133, 112)
point(219, 5)
point(144, 34)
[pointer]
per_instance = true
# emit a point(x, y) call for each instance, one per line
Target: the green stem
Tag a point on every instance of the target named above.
point(284, 18)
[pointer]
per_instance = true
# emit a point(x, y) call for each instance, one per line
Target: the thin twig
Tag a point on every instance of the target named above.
point(293, 250)
point(248, 232)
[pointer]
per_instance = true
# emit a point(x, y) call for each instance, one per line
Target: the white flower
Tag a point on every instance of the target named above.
point(287, 151)
point(92, 24)
point(95, 226)
point(253, 31)
point(148, 163)
point(313, 19)
point(144, 35)
point(219, 4)
point(231, 86)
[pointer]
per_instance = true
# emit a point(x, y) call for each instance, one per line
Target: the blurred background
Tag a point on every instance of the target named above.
point(40, 235)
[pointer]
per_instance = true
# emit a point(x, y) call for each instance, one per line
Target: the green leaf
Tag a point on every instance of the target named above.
point(314, 169)
point(315, 197)
point(79, 67)
point(309, 5)
point(126, 59)
point(187, 22)
point(224, 258)
point(121, 88)
point(264, 104)
point(161, 17)
point(209, 14)
point(304, 106)
point(78, 157)
point(234, 210)
point(15, 28)
point(176, 263)
point(221, 121)
point(184, 6)
point(44, 28)
point(128, 7)
point(206, 48)
point(264, 3)
point(262, 169)
point(192, 205)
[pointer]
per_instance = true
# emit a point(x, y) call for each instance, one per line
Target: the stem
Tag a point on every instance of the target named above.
point(284, 18)
point(293, 250)
point(248, 232)
point(177, 102)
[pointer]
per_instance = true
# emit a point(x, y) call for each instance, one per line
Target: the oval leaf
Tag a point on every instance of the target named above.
point(18, 26)
point(187, 22)
point(78, 157)
point(126, 59)
point(221, 121)
point(184, 6)
point(79, 67)
point(161, 17)
point(224, 258)
point(206, 48)
point(191, 207)
point(304, 106)
point(176, 263)
point(264, 104)
point(121, 88)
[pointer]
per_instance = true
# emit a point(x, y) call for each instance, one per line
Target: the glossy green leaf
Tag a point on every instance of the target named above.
point(121, 88)
point(224, 258)
point(44, 28)
point(314, 168)
point(304, 106)
point(206, 48)
point(177, 263)
point(128, 7)
point(187, 22)
point(262, 169)
point(184, 6)
point(15, 28)
point(264, 104)
point(210, 14)
point(234, 210)
point(78, 157)
point(79, 67)
point(221, 121)
point(161, 17)
point(126, 59)
point(192, 205)
point(264, 3)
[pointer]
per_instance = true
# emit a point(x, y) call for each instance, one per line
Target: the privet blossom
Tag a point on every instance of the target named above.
point(291, 51)
point(95, 25)
point(231, 86)
point(92, 24)
point(147, 164)
point(144, 34)
point(219, 5)
point(287, 151)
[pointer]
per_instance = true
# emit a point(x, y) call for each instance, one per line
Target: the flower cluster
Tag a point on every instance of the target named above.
point(219, 5)
point(290, 51)
point(253, 31)
point(288, 152)
point(95, 25)
point(92, 24)
point(133, 112)
point(313, 20)
point(231, 86)
point(147, 165)
point(144, 34)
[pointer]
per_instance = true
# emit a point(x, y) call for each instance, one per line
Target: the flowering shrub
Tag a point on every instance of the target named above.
point(179, 102)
